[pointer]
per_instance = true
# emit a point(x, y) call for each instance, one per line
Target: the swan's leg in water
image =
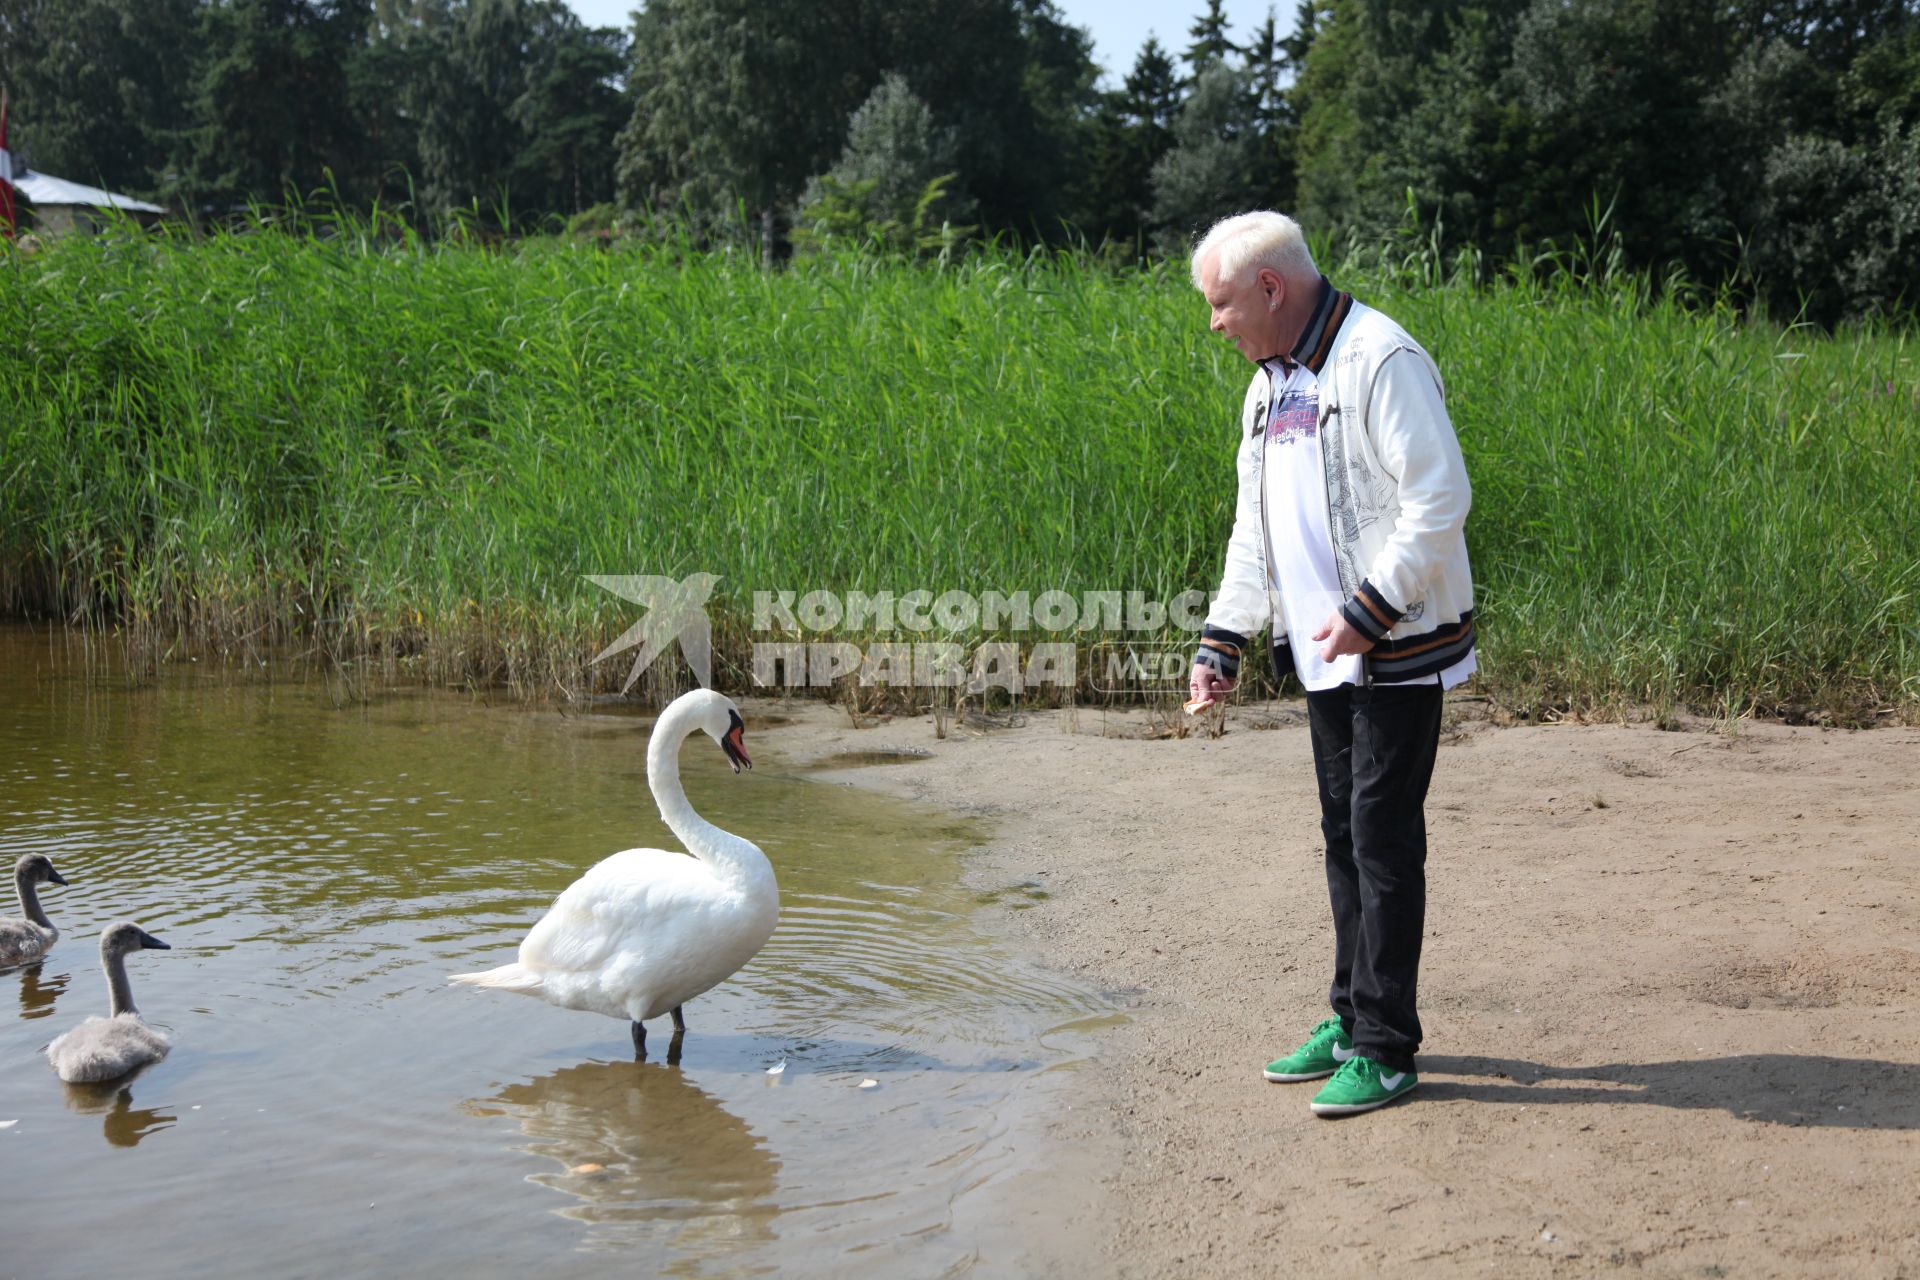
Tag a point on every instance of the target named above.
point(639, 1042)
point(679, 1034)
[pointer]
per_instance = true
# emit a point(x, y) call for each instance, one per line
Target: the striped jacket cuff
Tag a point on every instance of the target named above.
point(1221, 650)
point(1424, 654)
point(1370, 614)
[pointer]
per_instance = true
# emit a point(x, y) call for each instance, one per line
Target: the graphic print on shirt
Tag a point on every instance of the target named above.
point(1295, 416)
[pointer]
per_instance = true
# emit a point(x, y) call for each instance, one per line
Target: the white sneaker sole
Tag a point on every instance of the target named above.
point(1355, 1108)
point(1299, 1076)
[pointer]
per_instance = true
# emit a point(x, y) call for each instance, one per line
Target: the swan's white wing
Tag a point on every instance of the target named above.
point(621, 903)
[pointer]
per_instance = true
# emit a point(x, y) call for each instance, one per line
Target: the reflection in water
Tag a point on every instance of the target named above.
point(37, 997)
point(650, 1155)
point(123, 1125)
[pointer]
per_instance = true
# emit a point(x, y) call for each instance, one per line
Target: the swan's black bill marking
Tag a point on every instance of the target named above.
point(733, 742)
point(151, 943)
point(54, 877)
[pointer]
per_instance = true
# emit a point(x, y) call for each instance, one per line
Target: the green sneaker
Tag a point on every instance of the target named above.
point(1361, 1084)
point(1326, 1048)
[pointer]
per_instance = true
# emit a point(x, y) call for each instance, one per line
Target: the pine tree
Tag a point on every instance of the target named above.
point(737, 102)
point(473, 69)
point(1266, 68)
point(570, 112)
point(1132, 130)
point(893, 181)
point(1308, 15)
point(1210, 170)
point(1152, 88)
point(271, 99)
point(1210, 46)
point(379, 73)
point(1274, 123)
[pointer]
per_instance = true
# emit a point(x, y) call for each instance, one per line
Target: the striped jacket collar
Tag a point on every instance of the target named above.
point(1330, 311)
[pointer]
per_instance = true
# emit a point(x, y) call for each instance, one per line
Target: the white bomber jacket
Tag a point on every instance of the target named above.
point(1397, 500)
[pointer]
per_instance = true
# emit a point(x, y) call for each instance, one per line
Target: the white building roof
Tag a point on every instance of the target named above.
point(43, 188)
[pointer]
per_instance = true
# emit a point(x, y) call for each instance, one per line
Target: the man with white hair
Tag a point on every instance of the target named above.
point(1347, 540)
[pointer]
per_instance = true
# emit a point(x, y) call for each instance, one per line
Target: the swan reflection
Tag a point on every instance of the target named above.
point(123, 1125)
point(37, 996)
point(649, 1155)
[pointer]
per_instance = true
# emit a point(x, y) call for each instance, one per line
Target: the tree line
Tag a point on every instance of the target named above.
point(1773, 145)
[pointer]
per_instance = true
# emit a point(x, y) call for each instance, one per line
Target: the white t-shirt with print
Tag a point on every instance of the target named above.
point(1302, 561)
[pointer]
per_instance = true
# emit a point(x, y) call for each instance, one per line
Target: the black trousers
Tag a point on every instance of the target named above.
point(1373, 750)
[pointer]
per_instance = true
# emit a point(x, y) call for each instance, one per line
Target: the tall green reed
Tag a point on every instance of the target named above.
point(394, 446)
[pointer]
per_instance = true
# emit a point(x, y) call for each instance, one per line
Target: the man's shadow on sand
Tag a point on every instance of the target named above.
point(1773, 1088)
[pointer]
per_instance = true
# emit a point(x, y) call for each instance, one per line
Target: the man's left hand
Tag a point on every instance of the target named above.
point(1341, 639)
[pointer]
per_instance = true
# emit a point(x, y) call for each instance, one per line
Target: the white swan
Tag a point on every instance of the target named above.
point(107, 1048)
point(33, 937)
point(647, 930)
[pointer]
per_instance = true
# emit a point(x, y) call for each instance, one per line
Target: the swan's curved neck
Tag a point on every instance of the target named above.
point(729, 856)
point(30, 900)
point(116, 966)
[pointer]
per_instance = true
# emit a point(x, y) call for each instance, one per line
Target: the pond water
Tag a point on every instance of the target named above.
point(332, 1108)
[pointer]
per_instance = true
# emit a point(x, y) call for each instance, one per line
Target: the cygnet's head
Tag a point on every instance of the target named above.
point(716, 713)
point(37, 868)
point(127, 937)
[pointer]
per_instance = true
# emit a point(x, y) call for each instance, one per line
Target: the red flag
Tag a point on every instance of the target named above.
point(6, 173)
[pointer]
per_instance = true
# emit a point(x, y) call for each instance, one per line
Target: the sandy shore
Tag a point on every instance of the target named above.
point(1671, 994)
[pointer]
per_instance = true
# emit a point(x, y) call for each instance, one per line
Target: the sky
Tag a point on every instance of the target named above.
point(1119, 27)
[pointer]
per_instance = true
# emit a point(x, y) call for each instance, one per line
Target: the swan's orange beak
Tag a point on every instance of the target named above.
point(734, 745)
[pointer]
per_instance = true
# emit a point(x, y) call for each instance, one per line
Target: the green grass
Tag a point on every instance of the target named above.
point(398, 447)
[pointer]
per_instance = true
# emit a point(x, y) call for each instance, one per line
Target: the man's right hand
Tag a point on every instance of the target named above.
point(1204, 684)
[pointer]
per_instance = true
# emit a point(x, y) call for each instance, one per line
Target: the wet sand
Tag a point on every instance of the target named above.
point(1671, 996)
